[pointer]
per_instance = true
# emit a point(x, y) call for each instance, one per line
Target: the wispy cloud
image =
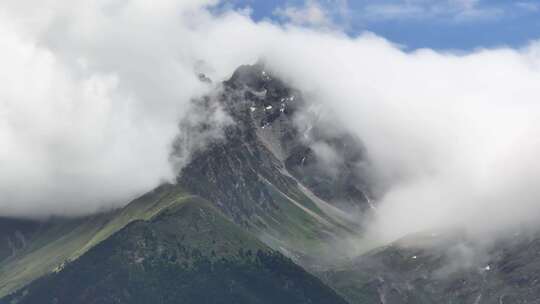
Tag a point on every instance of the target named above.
point(318, 14)
point(528, 6)
point(453, 10)
point(310, 14)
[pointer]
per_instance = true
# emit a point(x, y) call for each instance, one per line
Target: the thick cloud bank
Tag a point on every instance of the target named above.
point(91, 94)
point(90, 101)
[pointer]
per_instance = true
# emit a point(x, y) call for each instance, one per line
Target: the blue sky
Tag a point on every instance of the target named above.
point(438, 24)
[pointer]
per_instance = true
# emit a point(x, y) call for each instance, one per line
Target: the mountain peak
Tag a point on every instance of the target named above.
point(257, 91)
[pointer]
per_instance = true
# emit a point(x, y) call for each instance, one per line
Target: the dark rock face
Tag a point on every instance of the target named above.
point(266, 145)
point(235, 172)
point(15, 234)
point(344, 185)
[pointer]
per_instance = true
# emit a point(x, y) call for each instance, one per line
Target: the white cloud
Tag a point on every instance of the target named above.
point(91, 98)
point(89, 103)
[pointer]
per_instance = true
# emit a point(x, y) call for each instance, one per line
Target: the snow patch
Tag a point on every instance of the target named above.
point(369, 201)
point(265, 75)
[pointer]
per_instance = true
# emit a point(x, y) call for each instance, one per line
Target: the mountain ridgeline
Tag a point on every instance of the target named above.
point(270, 191)
point(246, 207)
point(187, 253)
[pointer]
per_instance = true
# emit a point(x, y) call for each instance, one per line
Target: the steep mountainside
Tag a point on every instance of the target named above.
point(443, 268)
point(274, 185)
point(253, 176)
point(50, 243)
point(186, 253)
point(43, 248)
point(266, 173)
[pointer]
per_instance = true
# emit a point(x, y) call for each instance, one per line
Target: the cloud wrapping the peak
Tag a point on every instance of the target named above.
point(92, 98)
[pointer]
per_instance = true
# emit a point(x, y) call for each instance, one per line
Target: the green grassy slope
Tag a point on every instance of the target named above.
point(186, 253)
point(46, 250)
point(62, 240)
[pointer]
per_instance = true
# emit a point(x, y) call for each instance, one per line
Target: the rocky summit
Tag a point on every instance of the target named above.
point(268, 207)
